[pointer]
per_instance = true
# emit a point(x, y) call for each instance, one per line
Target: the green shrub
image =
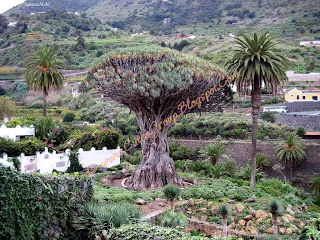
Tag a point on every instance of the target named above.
point(134, 159)
point(36, 105)
point(69, 117)
point(30, 203)
point(28, 146)
point(301, 132)
point(174, 220)
point(230, 167)
point(19, 91)
point(268, 116)
point(44, 126)
point(95, 217)
point(178, 152)
point(147, 231)
point(98, 139)
point(262, 161)
point(75, 166)
point(238, 197)
point(217, 170)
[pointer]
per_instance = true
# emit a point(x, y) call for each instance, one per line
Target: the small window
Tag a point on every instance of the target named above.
point(298, 97)
point(304, 97)
point(315, 98)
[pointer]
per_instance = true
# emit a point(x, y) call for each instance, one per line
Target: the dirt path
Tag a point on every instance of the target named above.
point(159, 205)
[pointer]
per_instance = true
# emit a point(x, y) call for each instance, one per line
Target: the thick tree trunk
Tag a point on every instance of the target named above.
point(275, 226)
point(256, 103)
point(156, 169)
point(224, 227)
point(45, 94)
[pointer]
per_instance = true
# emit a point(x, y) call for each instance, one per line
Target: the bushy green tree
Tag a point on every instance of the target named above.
point(155, 84)
point(7, 107)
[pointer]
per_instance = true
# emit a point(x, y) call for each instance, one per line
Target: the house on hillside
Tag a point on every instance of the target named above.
point(295, 94)
point(12, 24)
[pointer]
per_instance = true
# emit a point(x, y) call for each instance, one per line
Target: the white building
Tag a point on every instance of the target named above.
point(310, 43)
point(191, 37)
point(12, 24)
point(16, 133)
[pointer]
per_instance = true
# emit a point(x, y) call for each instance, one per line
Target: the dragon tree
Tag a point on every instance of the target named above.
point(159, 85)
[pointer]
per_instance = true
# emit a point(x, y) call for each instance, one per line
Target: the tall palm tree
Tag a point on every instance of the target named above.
point(275, 210)
point(213, 152)
point(256, 62)
point(291, 152)
point(42, 73)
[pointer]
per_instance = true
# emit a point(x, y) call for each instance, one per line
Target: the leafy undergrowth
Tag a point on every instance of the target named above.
point(214, 189)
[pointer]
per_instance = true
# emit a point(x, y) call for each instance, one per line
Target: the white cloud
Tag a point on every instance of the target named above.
point(6, 5)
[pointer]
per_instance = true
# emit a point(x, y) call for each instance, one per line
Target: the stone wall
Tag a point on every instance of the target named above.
point(311, 123)
point(241, 152)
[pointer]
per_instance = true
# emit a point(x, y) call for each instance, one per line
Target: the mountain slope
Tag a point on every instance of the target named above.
point(34, 6)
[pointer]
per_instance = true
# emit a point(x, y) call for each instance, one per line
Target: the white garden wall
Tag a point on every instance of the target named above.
point(46, 162)
point(17, 132)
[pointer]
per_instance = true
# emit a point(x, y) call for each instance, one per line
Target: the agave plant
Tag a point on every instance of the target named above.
point(291, 152)
point(95, 217)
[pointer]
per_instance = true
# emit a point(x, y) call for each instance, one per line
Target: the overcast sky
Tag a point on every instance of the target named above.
point(7, 4)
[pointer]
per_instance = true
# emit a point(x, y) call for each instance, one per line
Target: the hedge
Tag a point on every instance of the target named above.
point(97, 139)
point(149, 232)
point(40, 207)
point(27, 146)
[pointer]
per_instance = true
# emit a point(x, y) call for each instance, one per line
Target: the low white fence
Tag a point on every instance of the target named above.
point(17, 132)
point(46, 162)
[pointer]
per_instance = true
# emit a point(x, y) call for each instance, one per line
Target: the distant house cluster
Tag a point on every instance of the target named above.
point(310, 43)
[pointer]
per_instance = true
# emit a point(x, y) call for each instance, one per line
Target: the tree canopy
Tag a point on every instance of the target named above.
point(157, 84)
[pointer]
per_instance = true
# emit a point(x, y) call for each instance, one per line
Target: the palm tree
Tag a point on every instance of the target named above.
point(262, 161)
point(224, 213)
point(42, 73)
point(213, 151)
point(256, 61)
point(291, 152)
point(275, 210)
